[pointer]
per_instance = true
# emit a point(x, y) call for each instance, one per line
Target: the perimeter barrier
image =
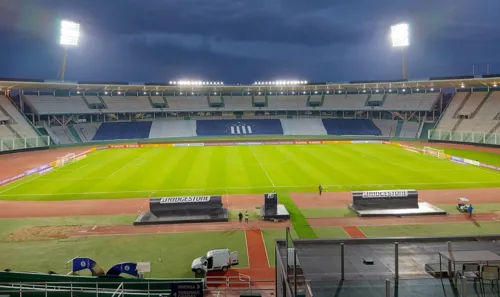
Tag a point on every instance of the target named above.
point(14, 144)
point(466, 137)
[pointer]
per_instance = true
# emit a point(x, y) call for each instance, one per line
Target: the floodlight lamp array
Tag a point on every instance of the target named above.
point(400, 35)
point(196, 83)
point(70, 33)
point(281, 82)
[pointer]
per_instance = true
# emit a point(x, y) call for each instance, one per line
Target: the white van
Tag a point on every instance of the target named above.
point(220, 259)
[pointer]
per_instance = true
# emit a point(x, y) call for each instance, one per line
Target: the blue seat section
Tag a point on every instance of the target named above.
point(238, 127)
point(351, 127)
point(125, 130)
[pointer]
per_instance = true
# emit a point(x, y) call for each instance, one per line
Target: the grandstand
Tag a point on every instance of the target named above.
point(74, 113)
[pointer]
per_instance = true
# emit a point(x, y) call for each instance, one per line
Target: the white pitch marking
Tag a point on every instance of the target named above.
point(261, 166)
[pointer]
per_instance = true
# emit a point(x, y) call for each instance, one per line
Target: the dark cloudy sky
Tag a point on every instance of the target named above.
point(241, 41)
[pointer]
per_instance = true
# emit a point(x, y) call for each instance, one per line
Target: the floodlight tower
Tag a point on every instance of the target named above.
point(70, 35)
point(400, 38)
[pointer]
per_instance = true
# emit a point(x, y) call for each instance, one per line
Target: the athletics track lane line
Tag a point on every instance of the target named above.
point(354, 232)
point(257, 256)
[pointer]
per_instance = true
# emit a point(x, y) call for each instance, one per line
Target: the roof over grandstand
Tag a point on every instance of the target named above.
point(437, 82)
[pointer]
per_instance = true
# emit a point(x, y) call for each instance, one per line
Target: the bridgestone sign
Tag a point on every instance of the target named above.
point(186, 199)
point(382, 194)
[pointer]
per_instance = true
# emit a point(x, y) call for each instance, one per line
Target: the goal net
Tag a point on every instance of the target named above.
point(69, 158)
point(434, 152)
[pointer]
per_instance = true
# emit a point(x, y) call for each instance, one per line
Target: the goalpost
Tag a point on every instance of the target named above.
point(434, 152)
point(69, 158)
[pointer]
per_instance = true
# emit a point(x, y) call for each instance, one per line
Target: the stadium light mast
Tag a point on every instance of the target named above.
point(401, 39)
point(70, 36)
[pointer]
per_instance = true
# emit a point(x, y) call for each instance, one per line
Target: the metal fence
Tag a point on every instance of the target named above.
point(24, 143)
point(470, 137)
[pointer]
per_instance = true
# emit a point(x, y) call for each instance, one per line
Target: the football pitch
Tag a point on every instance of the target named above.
point(179, 171)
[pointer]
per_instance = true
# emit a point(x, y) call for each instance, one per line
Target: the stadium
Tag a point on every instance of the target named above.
point(358, 188)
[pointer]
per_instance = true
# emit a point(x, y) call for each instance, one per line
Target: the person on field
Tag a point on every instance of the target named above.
point(320, 189)
point(240, 216)
point(470, 209)
point(246, 216)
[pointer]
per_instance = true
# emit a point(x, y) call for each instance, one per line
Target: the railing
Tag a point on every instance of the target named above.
point(24, 143)
point(469, 137)
point(228, 286)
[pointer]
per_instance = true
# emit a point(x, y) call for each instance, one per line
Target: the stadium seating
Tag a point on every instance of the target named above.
point(6, 133)
point(3, 116)
point(186, 103)
point(303, 127)
point(87, 131)
point(58, 105)
point(409, 102)
point(409, 129)
point(297, 102)
point(472, 112)
point(123, 130)
point(387, 127)
point(173, 128)
point(238, 102)
point(345, 102)
point(238, 127)
point(20, 125)
point(63, 135)
point(127, 103)
point(351, 127)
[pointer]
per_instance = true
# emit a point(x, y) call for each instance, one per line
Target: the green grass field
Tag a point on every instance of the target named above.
point(124, 173)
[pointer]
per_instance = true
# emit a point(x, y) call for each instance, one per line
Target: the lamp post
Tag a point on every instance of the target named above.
point(400, 39)
point(70, 36)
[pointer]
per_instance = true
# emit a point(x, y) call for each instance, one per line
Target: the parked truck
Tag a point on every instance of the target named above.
point(220, 259)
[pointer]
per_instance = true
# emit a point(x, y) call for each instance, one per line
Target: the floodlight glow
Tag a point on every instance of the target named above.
point(328, 92)
point(78, 92)
point(418, 89)
point(495, 85)
point(364, 91)
point(180, 93)
point(432, 89)
point(105, 93)
point(404, 90)
point(260, 93)
point(144, 93)
point(192, 93)
point(157, 93)
point(270, 93)
point(376, 91)
point(315, 92)
point(215, 93)
point(400, 36)
point(293, 93)
point(70, 33)
point(304, 92)
point(119, 93)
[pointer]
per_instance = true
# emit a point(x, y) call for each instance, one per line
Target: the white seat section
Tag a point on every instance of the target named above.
point(287, 102)
point(3, 117)
point(447, 121)
point(157, 99)
point(315, 98)
point(22, 127)
point(303, 127)
point(93, 99)
point(127, 103)
point(215, 99)
point(238, 102)
point(6, 133)
point(472, 103)
point(173, 128)
point(186, 103)
point(345, 102)
point(409, 129)
point(387, 127)
point(47, 104)
point(259, 98)
point(63, 134)
point(86, 131)
point(490, 108)
point(376, 97)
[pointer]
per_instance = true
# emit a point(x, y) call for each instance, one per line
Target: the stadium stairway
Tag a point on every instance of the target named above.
point(399, 127)
point(86, 102)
